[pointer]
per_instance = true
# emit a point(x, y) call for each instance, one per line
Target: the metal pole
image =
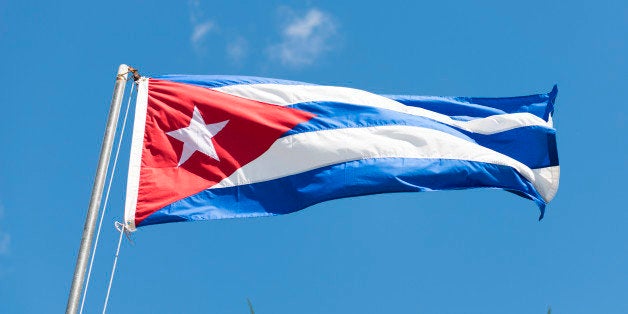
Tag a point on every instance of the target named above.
point(94, 203)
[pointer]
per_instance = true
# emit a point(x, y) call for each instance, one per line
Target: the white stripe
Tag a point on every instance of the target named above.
point(547, 179)
point(306, 151)
point(135, 160)
point(285, 95)
point(550, 121)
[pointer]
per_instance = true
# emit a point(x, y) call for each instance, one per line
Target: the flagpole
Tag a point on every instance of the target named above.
point(94, 203)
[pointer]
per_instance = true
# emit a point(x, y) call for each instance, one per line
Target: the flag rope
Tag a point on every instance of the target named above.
point(122, 228)
point(104, 207)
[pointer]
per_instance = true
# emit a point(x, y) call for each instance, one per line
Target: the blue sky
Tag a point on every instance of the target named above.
point(479, 251)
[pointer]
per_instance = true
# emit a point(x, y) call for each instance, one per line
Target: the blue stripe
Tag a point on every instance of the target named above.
point(533, 146)
point(468, 108)
point(355, 178)
point(460, 108)
point(214, 81)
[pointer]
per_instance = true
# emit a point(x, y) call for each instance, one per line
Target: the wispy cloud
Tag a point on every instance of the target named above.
point(201, 26)
point(5, 238)
point(200, 30)
point(304, 38)
point(237, 49)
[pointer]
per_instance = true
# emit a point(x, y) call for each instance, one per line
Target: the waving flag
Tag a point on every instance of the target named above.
point(213, 147)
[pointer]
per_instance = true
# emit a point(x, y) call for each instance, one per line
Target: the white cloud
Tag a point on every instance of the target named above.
point(199, 32)
point(200, 25)
point(237, 49)
point(304, 38)
point(5, 238)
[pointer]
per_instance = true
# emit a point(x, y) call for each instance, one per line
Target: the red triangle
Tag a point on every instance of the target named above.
point(253, 127)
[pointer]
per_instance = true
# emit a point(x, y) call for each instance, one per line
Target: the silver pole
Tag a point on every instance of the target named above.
point(94, 203)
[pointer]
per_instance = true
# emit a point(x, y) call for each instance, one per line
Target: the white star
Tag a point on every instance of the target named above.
point(198, 136)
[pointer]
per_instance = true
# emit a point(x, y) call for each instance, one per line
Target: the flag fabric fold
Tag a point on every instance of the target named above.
point(213, 147)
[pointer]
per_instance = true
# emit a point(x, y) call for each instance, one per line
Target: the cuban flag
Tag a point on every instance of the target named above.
point(214, 147)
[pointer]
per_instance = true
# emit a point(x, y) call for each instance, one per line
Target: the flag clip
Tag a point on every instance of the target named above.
point(122, 228)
